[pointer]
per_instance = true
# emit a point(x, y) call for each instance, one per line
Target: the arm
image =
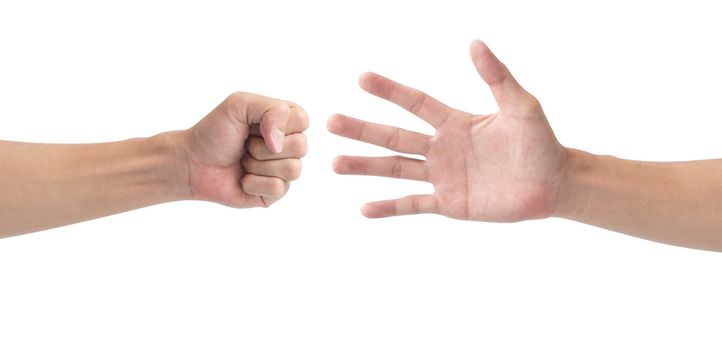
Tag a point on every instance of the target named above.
point(677, 203)
point(44, 186)
point(243, 154)
point(509, 166)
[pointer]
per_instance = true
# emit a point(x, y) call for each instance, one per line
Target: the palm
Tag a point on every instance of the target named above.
point(500, 167)
point(494, 168)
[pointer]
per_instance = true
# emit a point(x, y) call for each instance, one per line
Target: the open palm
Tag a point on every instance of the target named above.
point(501, 167)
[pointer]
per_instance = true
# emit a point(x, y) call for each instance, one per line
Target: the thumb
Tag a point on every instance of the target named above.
point(505, 88)
point(273, 126)
point(271, 114)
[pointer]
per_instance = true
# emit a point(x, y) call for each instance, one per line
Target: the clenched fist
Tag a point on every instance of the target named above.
point(246, 152)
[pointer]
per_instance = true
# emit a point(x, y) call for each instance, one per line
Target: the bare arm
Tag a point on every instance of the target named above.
point(44, 186)
point(509, 166)
point(243, 154)
point(677, 202)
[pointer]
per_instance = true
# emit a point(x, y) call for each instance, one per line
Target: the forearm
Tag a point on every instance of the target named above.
point(45, 185)
point(677, 203)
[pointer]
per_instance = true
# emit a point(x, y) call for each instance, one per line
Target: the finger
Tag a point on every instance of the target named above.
point(272, 115)
point(507, 91)
point(396, 166)
point(416, 204)
point(265, 186)
point(294, 147)
point(288, 169)
point(297, 122)
point(414, 101)
point(273, 127)
point(390, 137)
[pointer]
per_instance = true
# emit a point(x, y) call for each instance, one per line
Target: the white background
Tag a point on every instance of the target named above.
point(637, 81)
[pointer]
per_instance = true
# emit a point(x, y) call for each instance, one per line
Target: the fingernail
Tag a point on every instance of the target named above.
point(277, 137)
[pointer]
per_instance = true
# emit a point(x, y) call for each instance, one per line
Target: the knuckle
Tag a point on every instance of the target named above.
point(397, 168)
point(418, 103)
point(299, 145)
point(235, 104)
point(303, 118)
point(281, 106)
point(237, 98)
point(277, 188)
point(531, 104)
point(393, 141)
point(415, 205)
point(426, 147)
point(247, 184)
point(293, 169)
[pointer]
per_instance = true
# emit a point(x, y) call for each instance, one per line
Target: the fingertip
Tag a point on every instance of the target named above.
point(333, 122)
point(367, 211)
point(376, 210)
point(477, 51)
point(365, 80)
point(477, 45)
point(364, 77)
point(345, 165)
point(338, 124)
point(337, 164)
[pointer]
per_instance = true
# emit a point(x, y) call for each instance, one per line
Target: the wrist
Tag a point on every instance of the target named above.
point(578, 176)
point(170, 167)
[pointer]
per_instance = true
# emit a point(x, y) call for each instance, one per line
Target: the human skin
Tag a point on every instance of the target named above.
point(509, 166)
point(243, 154)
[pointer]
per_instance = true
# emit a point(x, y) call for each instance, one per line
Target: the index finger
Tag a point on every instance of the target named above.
point(297, 122)
point(410, 99)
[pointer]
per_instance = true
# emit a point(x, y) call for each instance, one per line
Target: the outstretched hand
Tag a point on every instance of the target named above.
point(507, 166)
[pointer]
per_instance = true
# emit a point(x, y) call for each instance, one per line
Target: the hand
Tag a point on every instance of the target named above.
point(506, 166)
point(246, 151)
